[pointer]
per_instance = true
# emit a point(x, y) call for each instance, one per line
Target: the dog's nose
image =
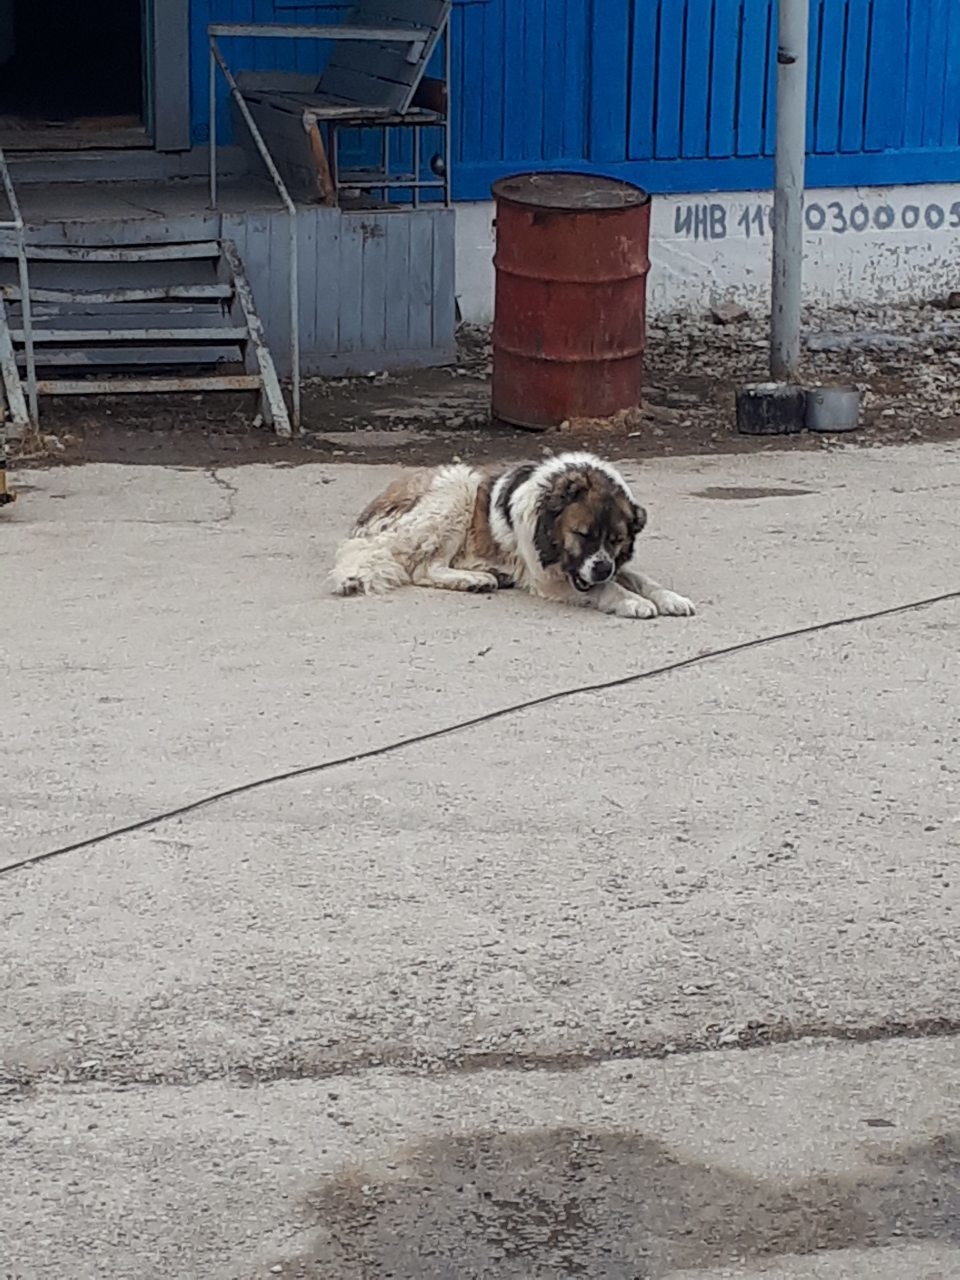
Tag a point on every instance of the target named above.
point(602, 570)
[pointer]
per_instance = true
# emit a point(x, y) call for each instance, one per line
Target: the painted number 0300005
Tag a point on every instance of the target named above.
point(834, 217)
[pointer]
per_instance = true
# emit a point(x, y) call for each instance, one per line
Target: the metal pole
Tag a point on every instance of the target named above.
point(26, 315)
point(294, 279)
point(787, 294)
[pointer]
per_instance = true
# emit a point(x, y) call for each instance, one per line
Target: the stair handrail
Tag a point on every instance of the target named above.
point(217, 60)
point(16, 225)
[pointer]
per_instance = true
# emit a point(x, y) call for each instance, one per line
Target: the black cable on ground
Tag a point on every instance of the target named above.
point(487, 717)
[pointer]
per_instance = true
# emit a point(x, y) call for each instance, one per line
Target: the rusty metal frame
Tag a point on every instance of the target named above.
point(16, 225)
point(217, 60)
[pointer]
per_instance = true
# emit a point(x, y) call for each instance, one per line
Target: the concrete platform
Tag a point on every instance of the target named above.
point(74, 202)
point(804, 1163)
point(263, 1006)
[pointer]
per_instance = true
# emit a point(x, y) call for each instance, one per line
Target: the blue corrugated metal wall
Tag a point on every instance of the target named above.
point(677, 95)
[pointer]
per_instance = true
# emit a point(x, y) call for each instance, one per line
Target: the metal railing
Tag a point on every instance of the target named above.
point(217, 60)
point(16, 226)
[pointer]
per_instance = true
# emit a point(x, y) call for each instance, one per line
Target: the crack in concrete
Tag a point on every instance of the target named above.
point(230, 490)
point(301, 1068)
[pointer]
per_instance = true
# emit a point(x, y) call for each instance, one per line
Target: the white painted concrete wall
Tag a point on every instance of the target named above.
point(863, 245)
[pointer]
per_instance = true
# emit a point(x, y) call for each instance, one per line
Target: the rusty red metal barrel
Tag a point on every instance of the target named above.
point(569, 326)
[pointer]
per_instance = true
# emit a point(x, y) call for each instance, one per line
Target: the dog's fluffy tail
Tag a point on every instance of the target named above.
point(365, 568)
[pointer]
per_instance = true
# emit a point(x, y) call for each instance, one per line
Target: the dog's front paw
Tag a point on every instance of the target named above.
point(483, 583)
point(346, 586)
point(635, 607)
point(672, 605)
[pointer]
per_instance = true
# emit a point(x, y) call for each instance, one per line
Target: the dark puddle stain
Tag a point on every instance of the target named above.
point(555, 1203)
point(735, 494)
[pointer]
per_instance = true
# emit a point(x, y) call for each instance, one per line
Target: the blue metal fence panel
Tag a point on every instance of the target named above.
point(677, 95)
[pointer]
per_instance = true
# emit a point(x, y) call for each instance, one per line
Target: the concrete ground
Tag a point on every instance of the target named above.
point(661, 982)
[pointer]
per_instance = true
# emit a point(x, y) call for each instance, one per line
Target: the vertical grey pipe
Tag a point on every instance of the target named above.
point(787, 294)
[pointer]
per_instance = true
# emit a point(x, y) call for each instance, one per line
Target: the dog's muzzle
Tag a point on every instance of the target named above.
point(593, 573)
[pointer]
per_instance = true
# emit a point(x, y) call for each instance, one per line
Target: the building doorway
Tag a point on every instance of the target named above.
point(72, 75)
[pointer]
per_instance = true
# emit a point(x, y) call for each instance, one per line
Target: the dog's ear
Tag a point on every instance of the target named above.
point(545, 536)
point(568, 489)
point(638, 519)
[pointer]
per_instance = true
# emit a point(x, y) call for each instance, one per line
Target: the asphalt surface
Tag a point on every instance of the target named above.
point(546, 964)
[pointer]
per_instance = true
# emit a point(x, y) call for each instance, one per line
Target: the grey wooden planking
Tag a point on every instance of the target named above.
point(398, 269)
point(420, 283)
point(276, 81)
point(324, 298)
point(383, 61)
point(444, 294)
point(374, 283)
point(365, 90)
point(307, 248)
point(349, 299)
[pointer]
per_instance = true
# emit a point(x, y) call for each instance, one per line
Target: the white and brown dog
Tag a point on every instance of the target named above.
point(562, 529)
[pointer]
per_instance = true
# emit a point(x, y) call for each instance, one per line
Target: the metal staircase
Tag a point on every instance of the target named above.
point(141, 318)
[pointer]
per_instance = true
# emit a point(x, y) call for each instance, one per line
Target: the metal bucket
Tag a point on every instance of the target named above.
point(832, 409)
point(569, 326)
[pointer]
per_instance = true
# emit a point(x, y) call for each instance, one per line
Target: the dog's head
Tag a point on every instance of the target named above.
point(586, 524)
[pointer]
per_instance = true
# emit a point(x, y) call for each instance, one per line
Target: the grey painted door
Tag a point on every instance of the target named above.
point(168, 29)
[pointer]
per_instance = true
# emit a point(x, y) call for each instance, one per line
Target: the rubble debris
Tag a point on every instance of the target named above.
point(729, 313)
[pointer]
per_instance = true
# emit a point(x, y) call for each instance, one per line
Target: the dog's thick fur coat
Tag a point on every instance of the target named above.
point(562, 529)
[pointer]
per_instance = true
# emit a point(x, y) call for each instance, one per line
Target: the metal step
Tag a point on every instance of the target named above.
point(96, 277)
point(147, 386)
point(132, 315)
point(108, 297)
point(102, 358)
point(119, 253)
point(161, 328)
point(231, 333)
